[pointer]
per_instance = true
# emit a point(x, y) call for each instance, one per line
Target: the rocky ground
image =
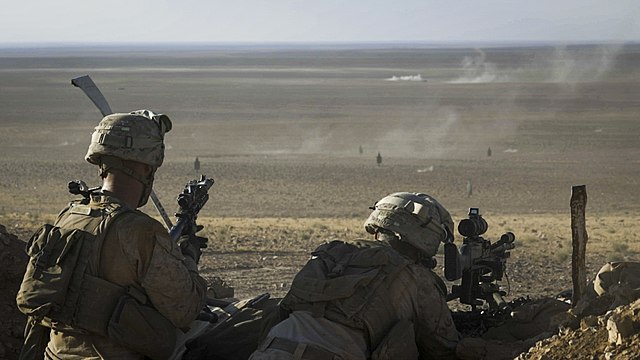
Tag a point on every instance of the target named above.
point(614, 334)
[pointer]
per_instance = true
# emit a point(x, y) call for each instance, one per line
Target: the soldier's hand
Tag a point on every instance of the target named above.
point(191, 229)
point(192, 245)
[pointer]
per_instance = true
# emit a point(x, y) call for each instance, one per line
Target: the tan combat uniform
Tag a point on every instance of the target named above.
point(138, 252)
point(416, 294)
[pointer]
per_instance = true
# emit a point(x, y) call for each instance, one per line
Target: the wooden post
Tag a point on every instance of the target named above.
point(579, 241)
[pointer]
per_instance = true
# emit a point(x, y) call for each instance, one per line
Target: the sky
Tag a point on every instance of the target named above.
point(301, 21)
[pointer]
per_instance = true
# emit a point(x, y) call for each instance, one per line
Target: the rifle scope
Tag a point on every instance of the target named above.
point(473, 226)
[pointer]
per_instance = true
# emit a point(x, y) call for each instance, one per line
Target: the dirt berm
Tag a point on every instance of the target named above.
point(615, 334)
point(12, 264)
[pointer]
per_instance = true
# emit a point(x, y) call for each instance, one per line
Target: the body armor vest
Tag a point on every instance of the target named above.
point(61, 288)
point(348, 284)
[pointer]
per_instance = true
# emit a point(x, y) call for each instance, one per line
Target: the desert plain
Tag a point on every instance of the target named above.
point(291, 133)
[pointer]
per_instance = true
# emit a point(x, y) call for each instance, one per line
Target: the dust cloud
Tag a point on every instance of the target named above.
point(562, 64)
point(572, 66)
point(476, 70)
point(423, 138)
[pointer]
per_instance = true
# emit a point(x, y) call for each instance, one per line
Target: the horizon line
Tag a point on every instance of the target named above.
point(293, 44)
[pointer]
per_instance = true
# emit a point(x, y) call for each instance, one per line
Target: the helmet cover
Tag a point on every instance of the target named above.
point(136, 136)
point(415, 218)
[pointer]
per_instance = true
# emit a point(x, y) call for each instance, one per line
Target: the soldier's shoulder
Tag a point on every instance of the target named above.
point(137, 230)
point(346, 246)
point(136, 221)
point(368, 244)
point(419, 271)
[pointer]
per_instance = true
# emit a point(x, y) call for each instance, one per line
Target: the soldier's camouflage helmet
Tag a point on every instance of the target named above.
point(137, 136)
point(415, 218)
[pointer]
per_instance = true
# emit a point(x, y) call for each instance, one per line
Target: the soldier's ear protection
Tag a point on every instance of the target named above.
point(448, 235)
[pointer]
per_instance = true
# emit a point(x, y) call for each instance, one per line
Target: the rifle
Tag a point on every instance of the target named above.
point(193, 197)
point(479, 263)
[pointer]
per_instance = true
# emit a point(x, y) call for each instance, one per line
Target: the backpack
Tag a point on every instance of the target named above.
point(348, 284)
point(61, 288)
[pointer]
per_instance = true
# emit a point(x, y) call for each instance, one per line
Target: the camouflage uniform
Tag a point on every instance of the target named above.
point(107, 279)
point(415, 293)
point(372, 299)
point(138, 252)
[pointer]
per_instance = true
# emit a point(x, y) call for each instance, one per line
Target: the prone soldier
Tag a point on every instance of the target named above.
point(376, 299)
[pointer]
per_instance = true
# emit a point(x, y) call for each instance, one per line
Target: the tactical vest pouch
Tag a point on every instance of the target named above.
point(347, 284)
point(54, 272)
point(142, 329)
point(97, 294)
point(398, 344)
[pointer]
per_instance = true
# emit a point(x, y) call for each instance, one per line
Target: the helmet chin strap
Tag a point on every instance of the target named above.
point(148, 188)
point(113, 163)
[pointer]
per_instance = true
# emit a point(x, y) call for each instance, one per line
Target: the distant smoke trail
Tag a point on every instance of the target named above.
point(424, 138)
point(477, 70)
point(315, 142)
point(582, 65)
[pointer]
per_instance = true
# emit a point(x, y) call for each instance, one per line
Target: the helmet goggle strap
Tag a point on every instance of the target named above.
point(108, 163)
point(163, 121)
point(414, 208)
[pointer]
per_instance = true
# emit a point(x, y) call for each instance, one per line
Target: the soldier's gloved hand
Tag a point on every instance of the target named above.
point(192, 245)
point(189, 229)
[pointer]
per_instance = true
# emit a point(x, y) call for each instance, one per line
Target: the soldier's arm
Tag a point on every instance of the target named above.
point(436, 334)
point(175, 289)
